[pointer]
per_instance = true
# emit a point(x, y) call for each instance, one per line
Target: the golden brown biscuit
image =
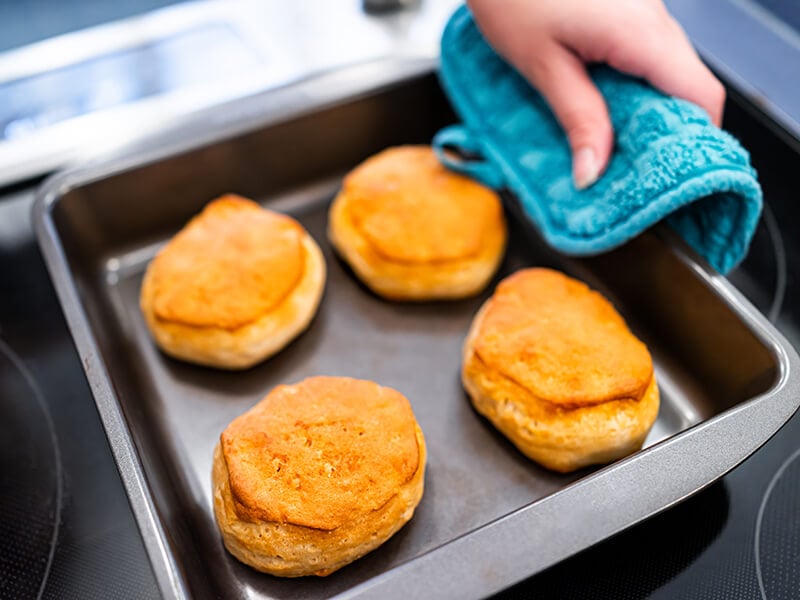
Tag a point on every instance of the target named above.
point(317, 474)
point(554, 367)
point(234, 286)
point(412, 230)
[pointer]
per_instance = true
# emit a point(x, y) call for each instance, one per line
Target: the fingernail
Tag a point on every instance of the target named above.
point(585, 168)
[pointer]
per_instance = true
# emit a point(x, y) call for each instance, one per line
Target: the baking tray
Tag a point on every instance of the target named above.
point(489, 517)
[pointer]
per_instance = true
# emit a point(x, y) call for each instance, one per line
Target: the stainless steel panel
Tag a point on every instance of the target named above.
point(81, 95)
point(489, 516)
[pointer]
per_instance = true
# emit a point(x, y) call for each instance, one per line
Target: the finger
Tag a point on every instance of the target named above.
point(679, 72)
point(697, 84)
point(562, 79)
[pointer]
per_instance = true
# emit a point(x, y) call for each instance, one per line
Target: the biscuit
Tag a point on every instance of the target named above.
point(555, 368)
point(234, 286)
point(316, 475)
point(412, 230)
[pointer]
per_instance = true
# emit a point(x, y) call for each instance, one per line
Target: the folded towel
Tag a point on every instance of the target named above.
point(669, 161)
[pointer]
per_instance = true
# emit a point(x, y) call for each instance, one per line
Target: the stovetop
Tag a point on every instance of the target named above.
point(66, 529)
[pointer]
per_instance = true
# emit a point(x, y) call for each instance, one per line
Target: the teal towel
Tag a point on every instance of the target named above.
point(669, 161)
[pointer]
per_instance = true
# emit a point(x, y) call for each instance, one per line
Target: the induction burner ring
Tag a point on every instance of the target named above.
point(780, 264)
point(774, 311)
point(789, 462)
point(32, 418)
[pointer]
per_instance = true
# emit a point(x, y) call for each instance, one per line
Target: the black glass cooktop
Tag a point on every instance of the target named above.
point(67, 532)
point(66, 529)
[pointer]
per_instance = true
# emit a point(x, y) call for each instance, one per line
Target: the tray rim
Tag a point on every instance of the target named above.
point(459, 557)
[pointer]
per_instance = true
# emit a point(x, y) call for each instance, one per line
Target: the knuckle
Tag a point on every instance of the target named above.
point(618, 53)
point(539, 66)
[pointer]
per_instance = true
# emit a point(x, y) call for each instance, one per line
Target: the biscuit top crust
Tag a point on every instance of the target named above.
point(228, 266)
point(563, 342)
point(411, 209)
point(321, 452)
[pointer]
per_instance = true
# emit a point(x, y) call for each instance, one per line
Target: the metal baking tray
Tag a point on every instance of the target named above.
point(489, 517)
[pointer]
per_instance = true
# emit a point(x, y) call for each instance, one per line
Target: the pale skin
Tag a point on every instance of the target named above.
point(551, 41)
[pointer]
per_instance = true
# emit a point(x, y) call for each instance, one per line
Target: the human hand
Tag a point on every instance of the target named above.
point(551, 41)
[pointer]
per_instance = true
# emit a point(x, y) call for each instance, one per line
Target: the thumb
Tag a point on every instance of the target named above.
point(561, 78)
